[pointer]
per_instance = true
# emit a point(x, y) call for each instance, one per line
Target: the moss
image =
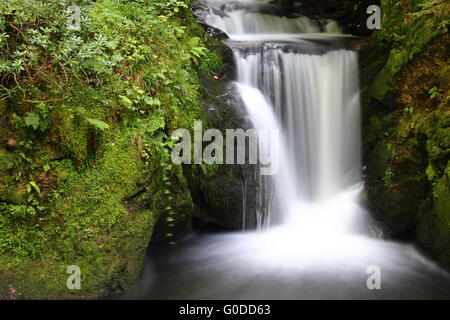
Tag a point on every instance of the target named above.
point(103, 189)
point(431, 173)
point(434, 230)
point(392, 173)
point(11, 190)
point(72, 135)
point(406, 132)
point(384, 80)
point(220, 194)
point(409, 29)
point(101, 220)
point(377, 128)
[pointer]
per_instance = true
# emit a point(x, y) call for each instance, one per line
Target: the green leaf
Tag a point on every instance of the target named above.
point(154, 123)
point(46, 168)
point(126, 101)
point(152, 101)
point(32, 120)
point(98, 123)
point(80, 110)
point(35, 186)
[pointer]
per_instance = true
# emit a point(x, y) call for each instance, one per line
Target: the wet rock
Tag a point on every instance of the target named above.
point(201, 10)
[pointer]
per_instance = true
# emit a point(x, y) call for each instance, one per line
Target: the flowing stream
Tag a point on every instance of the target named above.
point(298, 76)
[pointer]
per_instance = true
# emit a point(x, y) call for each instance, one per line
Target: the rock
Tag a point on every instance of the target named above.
point(11, 144)
point(406, 132)
point(201, 10)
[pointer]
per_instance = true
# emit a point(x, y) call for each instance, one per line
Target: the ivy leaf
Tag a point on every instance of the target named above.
point(32, 120)
point(98, 124)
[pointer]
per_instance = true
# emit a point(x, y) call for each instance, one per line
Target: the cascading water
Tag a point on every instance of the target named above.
point(293, 78)
point(315, 97)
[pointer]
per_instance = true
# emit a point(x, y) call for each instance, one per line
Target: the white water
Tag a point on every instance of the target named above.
point(263, 117)
point(315, 97)
point(322, 248)
point(239, 21)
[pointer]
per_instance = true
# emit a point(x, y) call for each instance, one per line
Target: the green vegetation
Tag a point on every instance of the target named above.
point(408, 26)
point(388, 175)
point(85, 170)
point(433, 93)
point(407, 148)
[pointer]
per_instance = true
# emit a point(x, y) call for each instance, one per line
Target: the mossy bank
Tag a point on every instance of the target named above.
point(87, 111)
point(405, 78)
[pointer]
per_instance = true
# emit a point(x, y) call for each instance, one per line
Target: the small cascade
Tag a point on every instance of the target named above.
point(308, 91)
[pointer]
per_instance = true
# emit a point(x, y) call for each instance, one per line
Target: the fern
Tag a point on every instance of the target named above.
point(98, 123)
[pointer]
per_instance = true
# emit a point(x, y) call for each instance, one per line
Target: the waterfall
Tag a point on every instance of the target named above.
point(310, 94)
point(318, 244)
point(316, 98)
point(241, 19)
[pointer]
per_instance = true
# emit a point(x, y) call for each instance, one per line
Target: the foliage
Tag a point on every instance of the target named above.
point(433, 93)
point(408, 63)
point(18, 230)
point(91, 110)
point(388, 175)
point(429, 7)
point(409, 26)
point(408, 111)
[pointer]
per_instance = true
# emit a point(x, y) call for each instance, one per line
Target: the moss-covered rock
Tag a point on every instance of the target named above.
point(434, 226)
point(406, 122)
point(408, 26)
point(85, 169)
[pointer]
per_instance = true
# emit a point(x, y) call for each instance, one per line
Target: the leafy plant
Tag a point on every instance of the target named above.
point(388, 176)
point(98, 123)
point(408, 111)
point(37, 119)
point(197, 51)
point(443, 25)
point(433, 93)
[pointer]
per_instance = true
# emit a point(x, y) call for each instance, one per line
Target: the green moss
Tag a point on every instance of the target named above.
point(212, 62)
point(406, 134)
point(384, 80)
point(431, 173)
point(409, 26)
point(434, 231)
point(135, 68)
point(101, 219)
point(11, 189)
